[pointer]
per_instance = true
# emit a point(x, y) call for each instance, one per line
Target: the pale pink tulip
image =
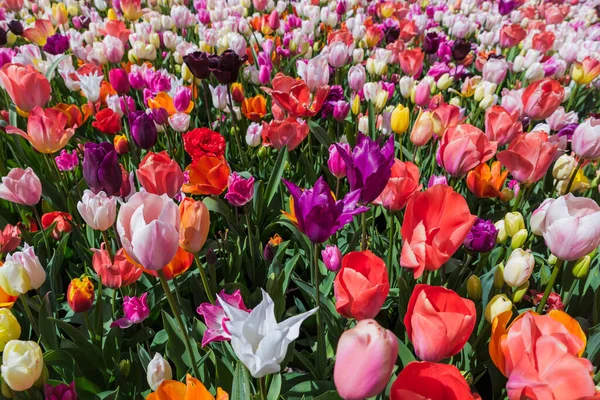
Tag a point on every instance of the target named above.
point(21, 186)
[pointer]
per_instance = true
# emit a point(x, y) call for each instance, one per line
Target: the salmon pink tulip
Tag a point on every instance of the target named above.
point(542, 98)
point(403, 182)
point(529, 156)
point(290, 132)
point(46, 130)
point(462, 148)
point(26, 86)
point(159, 174)
point(117, 272)
point(293, 95)
point(501, 126)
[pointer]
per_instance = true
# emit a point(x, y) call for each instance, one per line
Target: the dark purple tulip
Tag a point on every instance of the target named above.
point(160, 116)
point(197, 62)
point(56, 44)
point(101, 168)
point(431, 44)
point(460, 49)
point(567, 131)
point(392, 33)
point(319, 215)
point(505, 7)
point(3, 37)
point(16, 27)
point(143, 129)
point(482, 236)
point(226, 67)
point(369, 167)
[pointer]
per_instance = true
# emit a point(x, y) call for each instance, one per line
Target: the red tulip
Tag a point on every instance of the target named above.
point(435, 225)
point(62, 220)
point(529, 156)
point(403, 182)
point(293, 95)
point(438, 322)
point(426, 380)
point(361, 286)
point(542, 98)
point(462, 148)
point(501, 126)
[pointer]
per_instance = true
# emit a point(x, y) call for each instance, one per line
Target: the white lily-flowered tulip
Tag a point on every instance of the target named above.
point(257, 339)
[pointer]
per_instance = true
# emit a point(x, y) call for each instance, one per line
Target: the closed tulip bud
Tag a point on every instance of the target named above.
point(502, 235)
point(474, 289)
point(519, 293)
point(332, 258)
point(155, 40)
point(499, 276)
point(498, 304)
point(518, 268)
point(365, 358)
point(158, 370)
point(121, 144)
point(519, 239)
point(400, 119)
point(552, 259)
point(9, 327)
point(194, 225)
point(22, 364)
point(444, 82)
point(455, 101)
point(581, 267)
point(507, 194)
point(513, 223)
point(406, 86)
point(356, 105)
point(80, 294)
point(564, 167)
point(125, 367)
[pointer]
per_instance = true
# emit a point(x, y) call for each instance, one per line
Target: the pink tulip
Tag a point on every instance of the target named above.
point(27, 87)
point(148, 225)
point(21, 186)
point(98, 210)
point(135, 309)
point(462, 148)
point(332, 258)
point(215, 317)
point(10, 238)
point(365, 359)
point(46, 130)
point(586, 139)
point(571, 226)
point(337, 166)
point(239, 190)
point(67, 161)
point(528, 156)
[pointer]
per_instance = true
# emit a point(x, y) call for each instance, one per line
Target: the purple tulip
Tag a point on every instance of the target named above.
point(505, 7)
point(340, 110)
point(332, 258)
point(239, 190)
point(142, 129)
point(431, 43)
point(62, 391)
point(160, 116)
point(337, 166)
point(369, 167)
point(319, 215)
point(197, 63)
point(135, 309)
point(56, 44)
point(66, 161)
point(482, 236)
point(101, 168)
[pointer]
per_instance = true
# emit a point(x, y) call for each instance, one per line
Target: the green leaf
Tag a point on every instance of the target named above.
point(241, 383)
point(95, 355)
point(109, 395)
point(144, 356)
point(329, 395)
point(51, 68)
point(175, 344)
point(320, 134)
point(274, 388)
point(406, 356)
point(276, 175)
point(593, 344)
point(47, 328)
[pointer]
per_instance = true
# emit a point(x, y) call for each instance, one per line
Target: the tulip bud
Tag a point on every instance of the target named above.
point(564, 167)
point(125, 367)
point(9, 327)
point(444, 82)
point(519, 292)
point(356, 105)
point(194, 225)
point(498, 304)
point(502, 235)
point(507, 194)
point(499, 276)
point(513, 222)
point(121, 144)
point(268, 253)
point(552, 259)
point(518, 268)
point(474, 289)
point(581, 267)
point(365, 358)
point(332, 258)
point(519, 239)
point(80, 294)
point(154, 40)
point(400, 119)
point(158, 370)
point(211, 257)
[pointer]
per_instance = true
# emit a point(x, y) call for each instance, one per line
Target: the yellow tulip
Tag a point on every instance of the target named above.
point(400, 119)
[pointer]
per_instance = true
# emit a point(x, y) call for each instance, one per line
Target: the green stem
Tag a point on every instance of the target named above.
point(30, 315)
point(363, 218)
point(572, 179)
point(263, 388)
point(548, 290)
point(236, 128)
point(321, 356)
point(39, 221)
point(250, 238)
point(177, 314)
point(88, 325)
point(204, 281)
point(107, 243)
point(99, 314)
point(391, 237)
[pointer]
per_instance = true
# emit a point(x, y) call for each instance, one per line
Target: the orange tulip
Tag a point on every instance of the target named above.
point(163, 100)
point(6, 300)
point(254, 108)
point(26, 86)
point(485, 182)
point(42, 28)
point(194, 225)
point(73, 113)
point(586, 71)
point(192, 389)
point(208, 175)
point(46, 130)
point(181, 262)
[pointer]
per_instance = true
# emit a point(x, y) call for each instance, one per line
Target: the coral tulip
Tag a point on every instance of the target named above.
point(290, 132)
point(462, 148)
point(26, 86)
point(46, 130)
point(529, 156)
point(117, 272)
point(403, 182)
point(501, 126)
point(542, 98)
point(293, 95)
point(159, 174)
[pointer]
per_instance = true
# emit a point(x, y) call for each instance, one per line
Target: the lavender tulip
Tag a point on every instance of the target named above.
point(101, 168)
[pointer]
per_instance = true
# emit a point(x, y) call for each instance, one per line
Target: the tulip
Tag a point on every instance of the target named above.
point(191, 389)
point(158, 370)
point(400, 119)
point(586, 139)
point(556, 337)
point(46, 130)
point(159, 174)
point(542, 98)
point(529, 156)
point(474, 288)
point(501, 126)
point(239, 190)
point(62, 391)
point(315, 72)
point(80, 294)
point(582, 267)
point(332, 258)
point(335, 163)
point(519, 238)
point(202, 142)
point(226, 67)
point(518, 268)
point(403, 182)
point(293, 96)
point(101, 169)
point(437, 180)
point(119, 80)
point(254, 108)
point(571, 226)
point(364, 360)
point(254, 134)
point(135, 309)
point(586, 71)
point(215, 317)
point(25, 264)
point(357, 77)
point(485, 183)
point(60, 220)
point(197, 62)
point(115, 273)
point(511, 35)
point(9, 238)
point(499, 304)
point(436, 224)
point(427, 380)
point(99, 211)
point(257, 339)
point(438, 322)
point(482, 236)
point(513, 222)
point(289, 132)
point(361, 286)
point(21, 187)
point(423, 128)
point(143, 129)
point(26, 86)
point(66, 161)
point(9, 327)
point(194, 225)
point(464, 147)
point(411, 62)
point(538, 216)
point(564, 167)
point(208, 176)
point(22, 364)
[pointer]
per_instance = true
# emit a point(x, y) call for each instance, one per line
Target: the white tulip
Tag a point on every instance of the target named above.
point(257, 339)
point(158, 370)
point(22, 364)
point(99, 211)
